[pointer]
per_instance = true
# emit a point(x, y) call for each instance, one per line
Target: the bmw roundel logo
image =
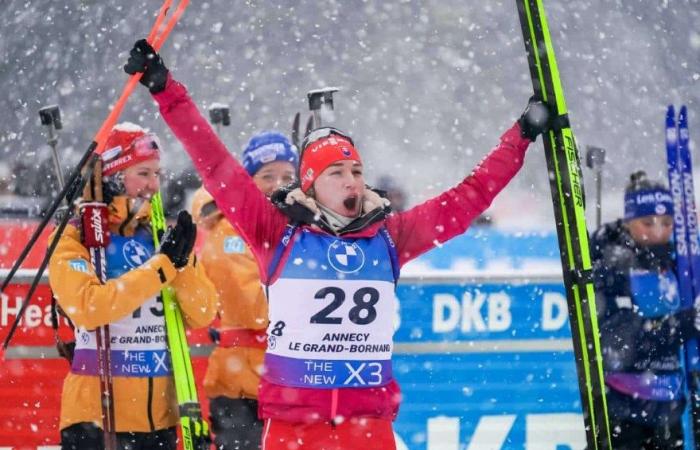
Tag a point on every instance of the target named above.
point(346, 257)
point(135, 253)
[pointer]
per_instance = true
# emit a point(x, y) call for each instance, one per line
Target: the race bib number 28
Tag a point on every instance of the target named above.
point(335, 335)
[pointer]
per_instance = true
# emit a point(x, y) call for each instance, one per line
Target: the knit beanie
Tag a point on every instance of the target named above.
point(644, 197)
point(267, 147)
point(128, 144)
point(322, 148)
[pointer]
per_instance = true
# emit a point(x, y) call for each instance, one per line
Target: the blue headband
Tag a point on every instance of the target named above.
point(649, 202)
point(267, 147)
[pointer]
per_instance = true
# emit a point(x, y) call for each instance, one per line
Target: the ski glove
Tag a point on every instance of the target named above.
point(177, 242)
point(536, 119)
point(143, 58)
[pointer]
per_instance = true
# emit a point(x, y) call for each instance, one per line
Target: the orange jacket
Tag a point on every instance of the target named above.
point(234, 372)
point(141, 404)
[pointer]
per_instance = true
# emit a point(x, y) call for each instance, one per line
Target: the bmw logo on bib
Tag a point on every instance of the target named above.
point(345, 257)
point(135, 253)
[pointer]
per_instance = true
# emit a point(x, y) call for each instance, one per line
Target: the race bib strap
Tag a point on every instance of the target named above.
point(325, 373)
point(281, 247)
point(384, 233)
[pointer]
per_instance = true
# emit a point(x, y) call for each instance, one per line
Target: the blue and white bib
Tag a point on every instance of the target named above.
point(138, 341)
point(332, 313)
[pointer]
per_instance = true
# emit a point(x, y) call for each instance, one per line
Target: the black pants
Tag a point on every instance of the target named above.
point(235, 423)
point(632, 436)
point(87, 436)
point(638, 424)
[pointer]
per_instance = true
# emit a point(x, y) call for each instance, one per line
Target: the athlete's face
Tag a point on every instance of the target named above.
point(142, 179)
point(341, 188)
point(651, 230)
point(273, 175)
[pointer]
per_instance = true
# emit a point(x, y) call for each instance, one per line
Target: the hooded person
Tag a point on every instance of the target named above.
point(234, 369)
point(329, 253)
point(642, 325)
point(145, 406)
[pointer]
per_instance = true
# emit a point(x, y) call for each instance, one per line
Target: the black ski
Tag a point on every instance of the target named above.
point(564, 169)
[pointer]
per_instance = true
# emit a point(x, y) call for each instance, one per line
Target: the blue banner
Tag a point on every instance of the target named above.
point(486, 365)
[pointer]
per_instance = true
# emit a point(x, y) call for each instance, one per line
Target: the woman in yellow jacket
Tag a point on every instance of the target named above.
point(145, 407)
point(234, 369)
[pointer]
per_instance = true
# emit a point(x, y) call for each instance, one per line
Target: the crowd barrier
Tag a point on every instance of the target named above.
point(484, 362)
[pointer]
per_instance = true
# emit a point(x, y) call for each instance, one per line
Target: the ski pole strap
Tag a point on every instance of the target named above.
point(560, 122)
point(279, 251)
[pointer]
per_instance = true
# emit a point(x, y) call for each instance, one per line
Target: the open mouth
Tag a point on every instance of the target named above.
point(350, 203)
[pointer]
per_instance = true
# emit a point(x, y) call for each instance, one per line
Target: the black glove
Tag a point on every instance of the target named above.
point(177, 243)
point(536, 119)
point(143, 58)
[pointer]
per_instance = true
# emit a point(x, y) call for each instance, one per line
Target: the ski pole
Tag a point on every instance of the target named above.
point(94, 220)
point(74, 183)
point(47, 257)
point(156, 42)
point(97, 145)
point(69, 191)
point(51, 117)
point(595, 158)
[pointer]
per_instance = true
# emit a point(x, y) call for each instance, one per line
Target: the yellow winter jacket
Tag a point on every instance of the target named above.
point(234, 372)
point(141, 404)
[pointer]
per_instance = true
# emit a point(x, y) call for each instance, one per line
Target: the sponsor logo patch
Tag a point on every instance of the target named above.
point(234, 244)
point(135, 254)
point(346, 257)
point(79, 265)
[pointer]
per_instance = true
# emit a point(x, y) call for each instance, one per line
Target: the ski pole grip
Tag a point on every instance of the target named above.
point(94, 218)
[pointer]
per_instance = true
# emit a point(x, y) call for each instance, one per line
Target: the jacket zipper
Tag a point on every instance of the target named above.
point(149, 406)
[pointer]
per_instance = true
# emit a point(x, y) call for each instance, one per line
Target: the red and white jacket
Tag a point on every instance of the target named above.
point(262, 226)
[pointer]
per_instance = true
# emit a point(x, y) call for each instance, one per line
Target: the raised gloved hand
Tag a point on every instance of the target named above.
point(143, 58)
point(536, 119)
point(177, 242)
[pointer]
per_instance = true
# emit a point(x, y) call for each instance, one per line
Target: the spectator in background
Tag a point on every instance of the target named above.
point(394, 193)
point(177, 188)
point(642, 326)
point(235, 365)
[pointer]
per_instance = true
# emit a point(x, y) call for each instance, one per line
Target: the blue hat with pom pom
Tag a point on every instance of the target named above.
point(267, 147)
